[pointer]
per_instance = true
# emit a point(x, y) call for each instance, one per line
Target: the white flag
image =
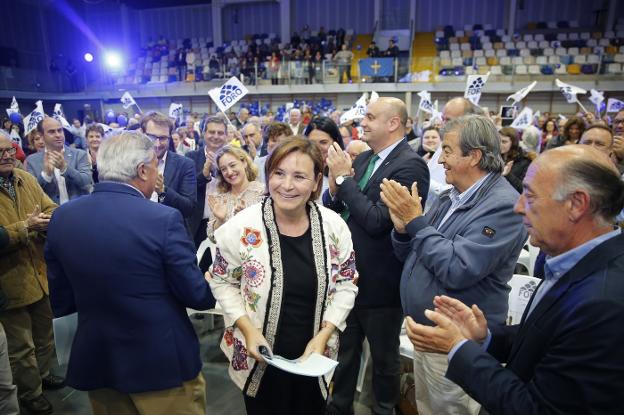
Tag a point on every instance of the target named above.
point(373, 97)
point(615, 105)
point(175, 110)
point(13, 109)
point(519, 96)
point(109, 131)
point(569, 91)
point(436, 115)
point(60, 116)
point(474, 86)
point(357, 111)
point(524, 119)
point(425, 102)
point(32, 119)
point(228, 94)
point(127, 100)
point(596, 97)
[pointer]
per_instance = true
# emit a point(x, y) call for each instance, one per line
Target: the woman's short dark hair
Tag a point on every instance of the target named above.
point(295, 144)
point(326, 125)
point(96, 129)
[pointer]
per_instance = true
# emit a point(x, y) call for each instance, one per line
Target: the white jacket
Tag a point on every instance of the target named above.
point(247, 279)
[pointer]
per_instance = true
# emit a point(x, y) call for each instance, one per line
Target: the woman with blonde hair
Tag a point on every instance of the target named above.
point(237, 187)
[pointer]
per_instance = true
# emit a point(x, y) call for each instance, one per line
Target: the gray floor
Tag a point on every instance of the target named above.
point(222, 396)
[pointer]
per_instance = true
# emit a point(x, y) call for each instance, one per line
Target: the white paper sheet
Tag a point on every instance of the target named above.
point(315, 365)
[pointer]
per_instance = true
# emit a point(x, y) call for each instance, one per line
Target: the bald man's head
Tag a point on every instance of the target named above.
point(384, 122)
point(355, 147)
point(458, 107)
point(571, 195)
point(582, 167)
point(394, 107)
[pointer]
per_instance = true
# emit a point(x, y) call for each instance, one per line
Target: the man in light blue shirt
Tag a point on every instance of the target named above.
point(565, 355)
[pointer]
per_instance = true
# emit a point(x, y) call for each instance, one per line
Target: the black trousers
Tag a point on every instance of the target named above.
point(284, 393)
point(382, 327)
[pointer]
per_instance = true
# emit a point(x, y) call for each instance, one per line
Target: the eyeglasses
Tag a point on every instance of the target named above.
point(618, 121)
point(157, 137)
point(10, 151)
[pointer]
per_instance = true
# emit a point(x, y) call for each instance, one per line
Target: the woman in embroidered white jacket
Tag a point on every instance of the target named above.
point(284, 274)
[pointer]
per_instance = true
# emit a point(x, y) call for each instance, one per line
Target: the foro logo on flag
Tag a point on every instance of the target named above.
point(229, 94)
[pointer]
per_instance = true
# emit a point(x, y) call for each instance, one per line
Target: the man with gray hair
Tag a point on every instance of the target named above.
point(295, 122)
point(467, 245)
point(565, 356)
point(127, 266)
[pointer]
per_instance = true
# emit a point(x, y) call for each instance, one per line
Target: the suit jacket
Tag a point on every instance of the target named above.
point(127, 266)
point(566, 356)
point(199, 158)
point(180, 186)
point(78, 176)
point(370, 224)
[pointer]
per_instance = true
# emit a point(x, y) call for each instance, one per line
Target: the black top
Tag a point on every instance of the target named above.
point(296, 325)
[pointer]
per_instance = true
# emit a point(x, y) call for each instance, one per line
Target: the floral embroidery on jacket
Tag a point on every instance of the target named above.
point(251, 237)
point(251, 297)
point(239, 359)
point(253, 272)
point(220, 264)
point(228, 336)
point(347, 268)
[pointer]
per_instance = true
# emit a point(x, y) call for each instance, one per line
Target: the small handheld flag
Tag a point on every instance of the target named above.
point(614, 105)
point(522, 93)
point(228, 94)
point(474, 86)
point(357, 111)
point(32, 119)
point(60, 116)
point(524, 119)
point(13, 109)
point(425, 102)
point(127, 101)
point(570, 92)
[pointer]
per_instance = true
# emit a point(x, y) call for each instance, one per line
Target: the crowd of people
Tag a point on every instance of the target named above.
point(258, 57)
point(321, 235)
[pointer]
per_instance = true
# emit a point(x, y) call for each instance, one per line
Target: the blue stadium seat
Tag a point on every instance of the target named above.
point(547, 69)
point(513, 52)
point(468, 61)
point(588, 69)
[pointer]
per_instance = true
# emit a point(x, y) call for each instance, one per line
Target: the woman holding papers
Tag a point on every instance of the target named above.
point(284, 274)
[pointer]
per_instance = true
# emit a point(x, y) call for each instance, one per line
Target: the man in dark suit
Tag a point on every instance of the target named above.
point(565, 356)
point(354, 192)
point(63, 172)
point(127, 266)
point(176, 184)
point(215, 137)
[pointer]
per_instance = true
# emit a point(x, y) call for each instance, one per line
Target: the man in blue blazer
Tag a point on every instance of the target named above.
point(63, 172)
point(176, 185)
point(377, 313)
point(215, 137)
point(127, 266)
point(565, 356)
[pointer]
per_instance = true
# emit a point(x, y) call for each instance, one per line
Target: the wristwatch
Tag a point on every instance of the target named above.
point(340, 180)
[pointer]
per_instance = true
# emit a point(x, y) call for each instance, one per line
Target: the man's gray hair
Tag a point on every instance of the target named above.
point(120, 155)
point(477, 132)
point(604, 186)
point(530, 139)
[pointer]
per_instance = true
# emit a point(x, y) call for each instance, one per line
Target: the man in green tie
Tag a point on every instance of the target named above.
point(354, 192)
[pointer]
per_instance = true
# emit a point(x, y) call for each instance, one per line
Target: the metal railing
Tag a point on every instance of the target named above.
point(285, 73)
